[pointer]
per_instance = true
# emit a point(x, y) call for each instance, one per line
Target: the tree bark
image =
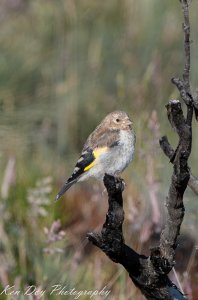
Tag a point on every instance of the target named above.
point(149, 274)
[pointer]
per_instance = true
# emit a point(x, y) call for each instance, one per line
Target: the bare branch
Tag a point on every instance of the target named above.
point(178, 185)
point(179, 157)
point(111, 240)
point(183, 85)
point(166, 147)
point(169, 152)
point(144, 271)
point(186, 28)
point(185, 95)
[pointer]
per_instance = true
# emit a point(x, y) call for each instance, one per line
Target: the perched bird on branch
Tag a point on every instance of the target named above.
point(109, 149)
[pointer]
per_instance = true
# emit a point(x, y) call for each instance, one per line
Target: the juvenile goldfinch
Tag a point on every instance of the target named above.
point(109, 149)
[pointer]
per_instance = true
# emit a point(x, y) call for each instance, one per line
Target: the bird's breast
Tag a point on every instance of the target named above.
point(119, 156)
point(126, 147)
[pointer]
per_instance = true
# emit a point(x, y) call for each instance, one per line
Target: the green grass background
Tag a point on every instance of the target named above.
point(63, 66)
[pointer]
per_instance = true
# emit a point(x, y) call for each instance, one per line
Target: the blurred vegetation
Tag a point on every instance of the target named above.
point(63, 66)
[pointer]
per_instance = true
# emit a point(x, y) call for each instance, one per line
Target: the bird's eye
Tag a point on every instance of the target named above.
point(117, 120)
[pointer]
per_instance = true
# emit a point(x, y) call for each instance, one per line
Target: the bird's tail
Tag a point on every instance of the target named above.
point(65, 187)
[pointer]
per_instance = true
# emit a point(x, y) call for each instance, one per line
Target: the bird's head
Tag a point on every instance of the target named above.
point(118, 120)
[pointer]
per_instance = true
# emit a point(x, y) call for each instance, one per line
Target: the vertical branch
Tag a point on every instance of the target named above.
point(186, 28)
point(179, 182)
point(181, 173)
point(183, 85)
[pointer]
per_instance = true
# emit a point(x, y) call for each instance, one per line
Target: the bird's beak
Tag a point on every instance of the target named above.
point(129, 122)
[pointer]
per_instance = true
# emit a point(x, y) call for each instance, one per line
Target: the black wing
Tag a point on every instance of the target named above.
point(85, 160)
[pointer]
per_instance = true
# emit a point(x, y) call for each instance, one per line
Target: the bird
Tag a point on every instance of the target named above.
point(108, 150)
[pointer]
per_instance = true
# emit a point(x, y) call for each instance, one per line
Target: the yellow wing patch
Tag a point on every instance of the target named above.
point(96, 153)
point(89, 166)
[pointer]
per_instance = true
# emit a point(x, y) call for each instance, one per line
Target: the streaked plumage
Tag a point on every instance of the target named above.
point(109, 149)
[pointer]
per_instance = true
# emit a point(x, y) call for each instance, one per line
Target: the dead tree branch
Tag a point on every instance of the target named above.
point(169, 152)
point(144, 271)
point(179, 182)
